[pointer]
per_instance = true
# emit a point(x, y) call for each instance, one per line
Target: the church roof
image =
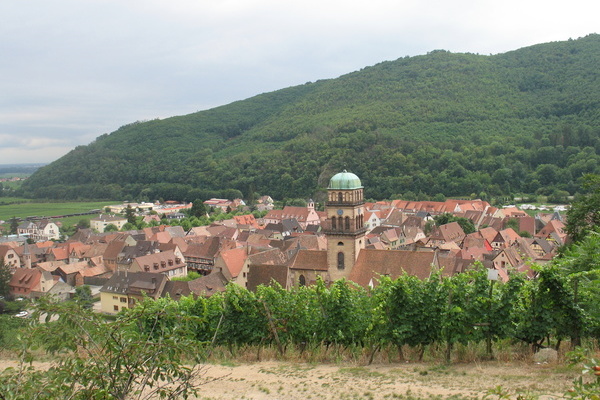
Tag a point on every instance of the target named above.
point(345, 180)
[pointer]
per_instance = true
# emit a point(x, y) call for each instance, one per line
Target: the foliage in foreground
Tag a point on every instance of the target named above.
point(131, 357)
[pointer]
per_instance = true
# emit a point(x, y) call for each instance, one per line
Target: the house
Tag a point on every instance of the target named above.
point(124, 289)
point(553, 231)
point(304, 215)
point(129, 253)
point(68, 272)
point(224, 204)
point(372, 264)
point(246, 221)
point(165, 262)
point(10, 257)
point(232, 263)
point(372, 219)
point(200, 257)
point(30, 282)
point(505, 238)
point(265, 274)
point(95, 275)
point(541, 247)
point(264, 203)
point(451, 232)
point(39, 230)
point(208, 285)
point(514, 259)
point(100, 223)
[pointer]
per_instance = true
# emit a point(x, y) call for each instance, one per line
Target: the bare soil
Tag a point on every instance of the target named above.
point(284, 380)
point(290, 381)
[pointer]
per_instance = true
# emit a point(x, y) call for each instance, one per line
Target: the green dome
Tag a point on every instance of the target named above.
point(345, 180)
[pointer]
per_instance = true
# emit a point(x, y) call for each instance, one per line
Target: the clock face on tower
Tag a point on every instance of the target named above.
point(340, 212)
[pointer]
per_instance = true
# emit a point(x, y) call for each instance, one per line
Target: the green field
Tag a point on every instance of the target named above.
point(21, 208)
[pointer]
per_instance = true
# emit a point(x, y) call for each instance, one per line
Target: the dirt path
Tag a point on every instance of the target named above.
point(274, 380)
point(289, 381)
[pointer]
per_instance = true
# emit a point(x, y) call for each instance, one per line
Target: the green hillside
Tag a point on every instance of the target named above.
point(523, 121)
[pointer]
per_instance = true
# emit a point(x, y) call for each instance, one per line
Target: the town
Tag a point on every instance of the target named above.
point(353, 239)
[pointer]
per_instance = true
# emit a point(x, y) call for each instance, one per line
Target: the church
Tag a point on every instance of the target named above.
point(346, 255)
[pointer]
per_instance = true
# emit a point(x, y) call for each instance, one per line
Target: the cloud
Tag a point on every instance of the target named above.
point(73, 70)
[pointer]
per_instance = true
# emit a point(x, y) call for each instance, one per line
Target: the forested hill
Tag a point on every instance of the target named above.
point(457, 124)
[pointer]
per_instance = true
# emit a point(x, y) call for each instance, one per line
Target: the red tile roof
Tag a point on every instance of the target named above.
point(373, 263)
point(313, 260)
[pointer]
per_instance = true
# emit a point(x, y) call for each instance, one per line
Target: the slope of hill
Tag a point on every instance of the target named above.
point(522, 121)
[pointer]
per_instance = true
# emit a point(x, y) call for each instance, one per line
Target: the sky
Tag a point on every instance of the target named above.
point(72, 70)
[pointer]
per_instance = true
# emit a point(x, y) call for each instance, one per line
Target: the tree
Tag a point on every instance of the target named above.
point(584, 213)
point(198, 208)
point(83, 223)
point(130, 357)
point(128, 226)
point(83, 296)
point(580, 265)
point(130, 214)
point(111, 228)
point(513, 223)
point(5, 276)
point(14, 225)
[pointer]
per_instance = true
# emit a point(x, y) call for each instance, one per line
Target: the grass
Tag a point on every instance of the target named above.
point(15, 207)
point(22, 208)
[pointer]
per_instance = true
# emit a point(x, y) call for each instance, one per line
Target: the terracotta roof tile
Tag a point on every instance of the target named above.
point(373, 263)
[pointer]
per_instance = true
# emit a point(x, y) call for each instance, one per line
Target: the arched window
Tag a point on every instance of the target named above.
point(340, 260)
point(340, 243)
point(333, 223)
point(302, 280)
point(347, 223)
point(340, 197)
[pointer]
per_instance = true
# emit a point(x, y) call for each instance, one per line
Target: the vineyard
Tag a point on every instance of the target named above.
point(404, 313)
point(163, 347)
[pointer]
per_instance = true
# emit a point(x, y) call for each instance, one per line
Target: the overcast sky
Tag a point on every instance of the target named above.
point(71, 70)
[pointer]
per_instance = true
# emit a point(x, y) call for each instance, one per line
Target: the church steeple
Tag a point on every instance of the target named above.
point(27, 256)
point(344, 228)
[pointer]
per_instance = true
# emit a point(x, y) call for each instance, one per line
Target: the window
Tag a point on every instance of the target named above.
point(116, 308)
point(123, 299)
point(333, 223)
point(340, 197)
point(340, 243)
point(302, 280)
point(340, 260)
point(347, 223)
point(115, 297)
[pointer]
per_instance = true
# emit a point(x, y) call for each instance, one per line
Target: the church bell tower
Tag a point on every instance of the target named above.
point(345, 228)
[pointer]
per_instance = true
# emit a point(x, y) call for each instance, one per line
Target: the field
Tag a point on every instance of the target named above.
point(21, 208)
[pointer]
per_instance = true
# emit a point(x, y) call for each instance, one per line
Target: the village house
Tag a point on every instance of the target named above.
point(553, 231)
point(10, 257)
point(39, 230)
point(451, 232)
point(165, 262)
point(264, 203)
point(100, 223)
point(304, 215)
point(31, 282)
point(124, 289)
point(224, 204)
